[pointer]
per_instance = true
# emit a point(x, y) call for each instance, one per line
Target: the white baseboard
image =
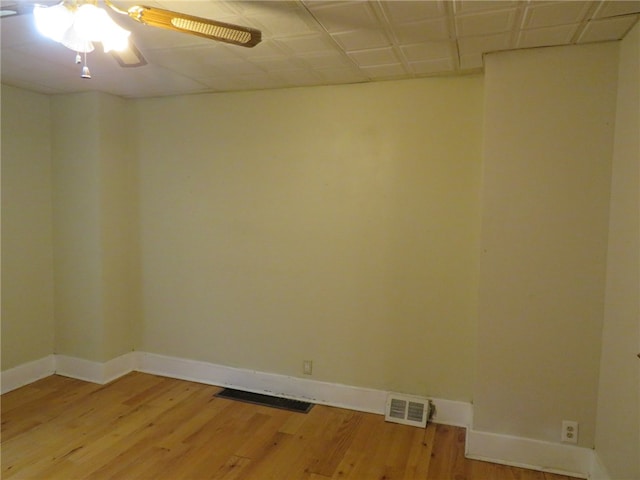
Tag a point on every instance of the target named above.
point(96, 372)
point(528, 453)
point(452, 412)
point(598, 470)
point(515, 451)
point(27, 373)
point(119, 366)
point(337, 395)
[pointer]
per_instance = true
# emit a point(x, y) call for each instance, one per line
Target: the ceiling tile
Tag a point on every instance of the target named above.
point(147, 81)
point(612, 8)
point(311, 42)
point(265, 49)
point(422, 31)
point(289, 23)
point(343, 16)
point(462, 7)
point(545, 37)
point(433, 66)
point(301, 77)
point(555, 13)
point(326, 60)
point(261, 81)
point(342, 75)
point(199, 61)
point(427, 51)
point(57, 75)
point(361, 39)
point(245, 82)
point(270, 64)
point(62, 74)
point(223, 83)
point(485, 23)
point(410, 11)
point(242, 68)
point(308, 43)
point(374, 56)
point(52, 52)
point(254, 7)
point(394, 70)
point(607, 29)
point(486, 43)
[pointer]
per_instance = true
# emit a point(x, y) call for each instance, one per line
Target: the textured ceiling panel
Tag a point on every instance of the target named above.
point(308, 42)
point(557, 13)
point(607, 29)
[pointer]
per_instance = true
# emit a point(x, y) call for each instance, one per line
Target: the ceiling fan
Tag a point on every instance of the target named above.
point(78, 23)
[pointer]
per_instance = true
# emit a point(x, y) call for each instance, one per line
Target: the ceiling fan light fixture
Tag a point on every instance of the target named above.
point(77, 27)
point(77, 24)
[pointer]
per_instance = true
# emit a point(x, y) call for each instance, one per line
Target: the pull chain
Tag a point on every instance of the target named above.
point(85, 69)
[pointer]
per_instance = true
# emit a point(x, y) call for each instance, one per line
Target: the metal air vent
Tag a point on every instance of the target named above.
point(407, 410)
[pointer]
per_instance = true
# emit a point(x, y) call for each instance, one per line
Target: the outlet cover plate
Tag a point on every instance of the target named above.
point(307, 367)
point(569, 431)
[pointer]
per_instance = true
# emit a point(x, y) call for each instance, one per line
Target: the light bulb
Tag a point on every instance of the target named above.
point(90, 22)
point(115, 38)
point(96, 25)
point(53, 22)
point(75, 42)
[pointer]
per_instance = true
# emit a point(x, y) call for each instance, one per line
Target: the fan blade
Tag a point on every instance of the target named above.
point(130, 57)
point(203, 27)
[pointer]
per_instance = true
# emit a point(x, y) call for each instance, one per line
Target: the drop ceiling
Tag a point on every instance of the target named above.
point(310, 43)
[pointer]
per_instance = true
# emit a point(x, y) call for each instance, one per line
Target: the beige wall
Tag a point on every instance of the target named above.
point(336, 224)
point(549, 116)
point(27, 252)
point(76, 188)
point(95, 212)
point(618, 420)
point(120, 227)
point(342, 225)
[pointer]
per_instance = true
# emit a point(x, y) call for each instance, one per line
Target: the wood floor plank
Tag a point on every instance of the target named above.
point(447, 453)
point(335, 447)
point(233, 469)
point(420, 455)
point(357, 461)
point(268, 432)
point(356, 455)
point(148, 427)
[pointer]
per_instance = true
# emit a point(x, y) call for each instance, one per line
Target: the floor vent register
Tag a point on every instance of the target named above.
point(265, 400)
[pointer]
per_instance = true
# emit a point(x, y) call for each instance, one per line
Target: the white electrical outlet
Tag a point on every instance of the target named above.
point(569, 431)
point(307, 367)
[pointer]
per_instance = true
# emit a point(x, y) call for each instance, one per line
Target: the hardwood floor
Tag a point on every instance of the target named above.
point(145, 426)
